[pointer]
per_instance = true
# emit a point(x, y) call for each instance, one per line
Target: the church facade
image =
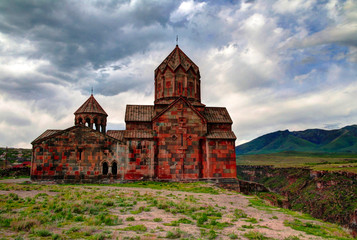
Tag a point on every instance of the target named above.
point(177, 139)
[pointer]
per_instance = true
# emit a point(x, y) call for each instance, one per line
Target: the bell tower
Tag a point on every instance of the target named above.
point(92, 115)
point(177, 76)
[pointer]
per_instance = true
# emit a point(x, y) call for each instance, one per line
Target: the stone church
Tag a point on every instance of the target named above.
point(177, 139)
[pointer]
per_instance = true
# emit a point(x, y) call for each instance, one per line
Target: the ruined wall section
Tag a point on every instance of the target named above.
point(78, 153)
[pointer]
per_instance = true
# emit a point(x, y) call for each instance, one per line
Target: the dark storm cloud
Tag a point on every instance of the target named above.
point(14, 119)
point(30, 87)
point(77, 38)
point(72, 34)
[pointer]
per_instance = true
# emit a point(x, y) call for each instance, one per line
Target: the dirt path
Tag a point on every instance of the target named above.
point(264, 220)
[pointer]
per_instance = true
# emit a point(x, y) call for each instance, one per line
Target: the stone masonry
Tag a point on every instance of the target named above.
point(176, 139)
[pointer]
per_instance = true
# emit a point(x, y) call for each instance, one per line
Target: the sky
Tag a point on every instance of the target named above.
point(275, 65)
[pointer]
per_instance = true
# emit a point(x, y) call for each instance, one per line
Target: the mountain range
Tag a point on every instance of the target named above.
point(342, 140)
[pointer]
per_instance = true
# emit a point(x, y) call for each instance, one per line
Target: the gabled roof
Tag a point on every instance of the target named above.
point(174, 102)
point(221, 135)
point(139, 113)
point(138, 134)
point(91, 106)
point(52, 133)
point(45, 134)
point(175, 59)
point(217, 115)
point(117, 134)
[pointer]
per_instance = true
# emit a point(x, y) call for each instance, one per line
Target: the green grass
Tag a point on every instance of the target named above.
point(196, 187)
point(136, 228)
point(325, 230)
point(254, 235)
point(94, 212)
point(315, 161)
point(174, 234)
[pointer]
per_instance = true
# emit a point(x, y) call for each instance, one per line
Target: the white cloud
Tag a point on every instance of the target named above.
point(342, 31)
point(187, 10)
point(292, 6)
point(290, 64)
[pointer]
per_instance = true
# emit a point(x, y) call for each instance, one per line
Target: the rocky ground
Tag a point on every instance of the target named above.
point(201, 211)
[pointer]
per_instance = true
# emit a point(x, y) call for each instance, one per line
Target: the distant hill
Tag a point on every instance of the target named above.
point(14, 155)
point(342, 140)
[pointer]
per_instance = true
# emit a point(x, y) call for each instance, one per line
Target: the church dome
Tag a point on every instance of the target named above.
point(91, 114)
point(177, 76)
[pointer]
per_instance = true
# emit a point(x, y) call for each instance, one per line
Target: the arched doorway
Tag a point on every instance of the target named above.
point(105, 168)
point(114, 168)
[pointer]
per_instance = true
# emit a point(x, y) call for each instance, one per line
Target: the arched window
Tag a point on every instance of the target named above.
point(80, 121)
point(114, 168)
point(96, 125)
point(105, 168)
point(87, 122)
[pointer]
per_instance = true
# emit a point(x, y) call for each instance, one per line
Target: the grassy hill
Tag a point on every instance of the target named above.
point(342, 140)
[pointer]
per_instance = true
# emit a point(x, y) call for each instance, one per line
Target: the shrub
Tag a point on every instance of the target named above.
point(109, 220)
point(201, 220)
point(233, 236)
point(239, 213)
point(136, 228)
point(292, 238)
point(56, 236)
point(157, 219)
point(173, 235)
point(212, 234)
point(42, 233)
point(130, 219)
point(73, 229)
point(5, 222)
point(253, 235)
point(252, 220)
point(184, 220)
point(24, 225)
point(250, 226)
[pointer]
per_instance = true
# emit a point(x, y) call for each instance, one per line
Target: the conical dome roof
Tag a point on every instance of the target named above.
point(176, 58)
point(91, 106)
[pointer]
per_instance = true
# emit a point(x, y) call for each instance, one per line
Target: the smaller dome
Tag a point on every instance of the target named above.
point(91, 106)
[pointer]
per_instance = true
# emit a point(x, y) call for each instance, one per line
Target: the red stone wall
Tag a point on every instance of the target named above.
point(221, 161)
point(140, 162)
point(75, 154)
point(179, 138)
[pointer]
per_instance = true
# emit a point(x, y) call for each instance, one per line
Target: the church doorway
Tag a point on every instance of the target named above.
point(105, 168)
point(114, 168)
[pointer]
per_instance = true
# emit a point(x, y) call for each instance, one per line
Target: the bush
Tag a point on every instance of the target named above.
point(233, 236)
point(173, 235)
point(42, 233)
point(136, 228)
point(24, 225)
point(253, 235)
point(239, 213)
